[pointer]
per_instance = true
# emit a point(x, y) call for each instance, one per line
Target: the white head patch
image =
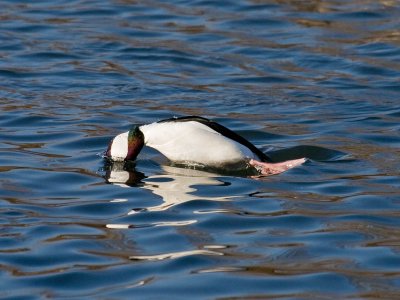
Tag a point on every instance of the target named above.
point(119, 147)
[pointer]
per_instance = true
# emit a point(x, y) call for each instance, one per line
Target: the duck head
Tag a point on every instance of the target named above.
point(126, 146)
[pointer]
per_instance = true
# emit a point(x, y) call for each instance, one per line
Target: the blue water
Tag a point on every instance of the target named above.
point(297, 78)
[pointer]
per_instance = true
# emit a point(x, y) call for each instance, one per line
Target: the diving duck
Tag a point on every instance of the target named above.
point(193, 140)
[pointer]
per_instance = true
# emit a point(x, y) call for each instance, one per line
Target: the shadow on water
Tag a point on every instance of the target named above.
point(315, 153)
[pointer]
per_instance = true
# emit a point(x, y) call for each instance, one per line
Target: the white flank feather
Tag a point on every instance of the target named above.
point(192, 141)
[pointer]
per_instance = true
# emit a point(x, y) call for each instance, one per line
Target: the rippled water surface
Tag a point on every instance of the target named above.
point(297, 78)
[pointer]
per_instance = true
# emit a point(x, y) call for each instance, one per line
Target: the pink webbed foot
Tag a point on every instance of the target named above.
point(266, 168)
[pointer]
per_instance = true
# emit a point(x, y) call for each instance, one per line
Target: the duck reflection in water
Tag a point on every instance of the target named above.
point(176, 186)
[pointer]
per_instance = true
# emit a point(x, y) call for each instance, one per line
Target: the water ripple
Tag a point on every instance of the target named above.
point(315, 79)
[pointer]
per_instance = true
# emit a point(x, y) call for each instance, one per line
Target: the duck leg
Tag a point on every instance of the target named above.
point(266, 168)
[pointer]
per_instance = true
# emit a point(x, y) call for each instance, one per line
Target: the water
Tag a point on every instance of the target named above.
point(313, 78)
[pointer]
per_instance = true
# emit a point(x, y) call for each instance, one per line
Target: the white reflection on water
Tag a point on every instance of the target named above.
point(175, 255)
point(177, 186)
point(155, 224)
point(180, 186)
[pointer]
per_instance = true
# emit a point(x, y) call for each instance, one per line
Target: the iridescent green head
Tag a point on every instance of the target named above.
point(126, 146)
